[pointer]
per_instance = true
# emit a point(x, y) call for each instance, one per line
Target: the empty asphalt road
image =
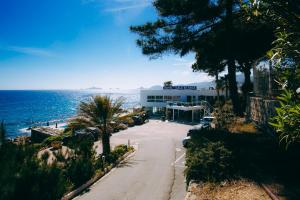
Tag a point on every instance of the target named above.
point(155, 170)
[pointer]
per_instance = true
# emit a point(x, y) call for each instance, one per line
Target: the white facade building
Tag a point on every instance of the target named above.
point(174, 101)
point(159, 98)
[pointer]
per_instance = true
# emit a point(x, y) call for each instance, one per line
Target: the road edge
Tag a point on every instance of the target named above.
point(97, 177)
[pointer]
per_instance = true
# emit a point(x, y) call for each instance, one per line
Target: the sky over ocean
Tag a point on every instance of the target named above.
point(73, 44)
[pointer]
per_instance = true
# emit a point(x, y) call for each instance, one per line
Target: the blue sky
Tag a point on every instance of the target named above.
point(73, 44)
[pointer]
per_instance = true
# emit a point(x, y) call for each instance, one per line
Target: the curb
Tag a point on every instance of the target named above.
point(269, 192)
point(94, 179)
point(189, 195)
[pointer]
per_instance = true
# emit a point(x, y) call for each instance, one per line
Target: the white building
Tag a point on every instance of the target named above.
point(178, 99)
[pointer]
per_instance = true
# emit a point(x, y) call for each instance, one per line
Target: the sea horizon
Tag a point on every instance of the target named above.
point(22, 109)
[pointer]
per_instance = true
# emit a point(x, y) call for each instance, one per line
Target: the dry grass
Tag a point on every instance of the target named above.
point(235, 190)
point(240, 126)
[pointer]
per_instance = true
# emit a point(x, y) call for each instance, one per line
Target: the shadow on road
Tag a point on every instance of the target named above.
point(129, 163)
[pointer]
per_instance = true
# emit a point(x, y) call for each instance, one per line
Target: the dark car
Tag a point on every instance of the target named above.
point(137, 120)
point(205, 123)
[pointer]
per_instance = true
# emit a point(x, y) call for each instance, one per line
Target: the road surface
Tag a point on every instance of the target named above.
point(155, 170)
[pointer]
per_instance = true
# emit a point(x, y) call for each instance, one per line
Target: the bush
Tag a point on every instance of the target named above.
point(23, 176)
point(129, 121)
point(210, 162)
point(122, 126)
point(120, 150)
point(81, 167)
point(49, 140)
point(80, 170)
point(116, 153)
point(287, 119)
point(224, 116)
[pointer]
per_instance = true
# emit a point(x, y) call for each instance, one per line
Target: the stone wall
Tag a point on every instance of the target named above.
point(261, 110)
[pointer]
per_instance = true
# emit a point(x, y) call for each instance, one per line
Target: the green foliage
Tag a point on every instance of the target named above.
point(80, 170)
point(224, 116)
point(118, 152)
point(287, 119)
point(220, 33)
point(168, 84)
point(252, 156)
point(51, 139)
point(98, 112)
point(81, 166)
point(210, 161)
point(22, 176)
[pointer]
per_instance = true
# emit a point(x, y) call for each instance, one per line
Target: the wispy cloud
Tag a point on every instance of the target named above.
point(183, 62)
point(128, 7)
point(31, 51)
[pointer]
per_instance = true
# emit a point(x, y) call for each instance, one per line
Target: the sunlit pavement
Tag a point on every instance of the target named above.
point(154, 172)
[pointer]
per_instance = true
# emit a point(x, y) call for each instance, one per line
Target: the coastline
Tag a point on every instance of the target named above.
point(21, 109)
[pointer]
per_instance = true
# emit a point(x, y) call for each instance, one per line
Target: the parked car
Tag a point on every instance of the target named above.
point(137, 120)
point(186, 141)
point(205, 123)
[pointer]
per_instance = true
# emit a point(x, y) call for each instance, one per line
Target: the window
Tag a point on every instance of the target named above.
point(167, 98)
point(159, 98)
point(201, 98)
point(176, 98)
point(150, 98)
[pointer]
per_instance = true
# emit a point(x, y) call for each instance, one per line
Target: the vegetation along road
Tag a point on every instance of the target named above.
point(155, 171)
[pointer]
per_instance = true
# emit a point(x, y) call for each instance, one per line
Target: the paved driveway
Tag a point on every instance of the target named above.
point(154, 172)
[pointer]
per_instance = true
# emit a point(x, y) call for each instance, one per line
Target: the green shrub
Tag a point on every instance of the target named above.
point(224, 116)
point(80, 170)
point(287, 119)
point(129, 121)
point(51, 139)
point(23, 176)
point(81, 166)
point(45, 156)
point(120, 150)
point(116, 153)
point(210, 162)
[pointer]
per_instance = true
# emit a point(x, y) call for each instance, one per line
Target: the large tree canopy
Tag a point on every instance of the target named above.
point(216, 30)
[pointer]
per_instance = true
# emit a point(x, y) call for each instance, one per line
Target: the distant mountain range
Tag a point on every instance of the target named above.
point(200, 85)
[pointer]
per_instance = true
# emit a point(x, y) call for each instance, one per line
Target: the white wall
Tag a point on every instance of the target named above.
point(171, 92)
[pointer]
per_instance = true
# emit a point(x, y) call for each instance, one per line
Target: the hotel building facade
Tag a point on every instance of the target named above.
point(175, 101)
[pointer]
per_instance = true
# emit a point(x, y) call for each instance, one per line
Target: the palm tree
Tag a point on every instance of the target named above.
point(168, 84)
point(99, 111)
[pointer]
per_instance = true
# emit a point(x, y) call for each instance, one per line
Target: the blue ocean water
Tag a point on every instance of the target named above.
point(21, 109)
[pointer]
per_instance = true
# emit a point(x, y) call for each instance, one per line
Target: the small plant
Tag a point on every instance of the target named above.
point(80, 170)
point(48, 141)
point(287, 120)
point(224, 116)
point(45, 156)
point(211, 162)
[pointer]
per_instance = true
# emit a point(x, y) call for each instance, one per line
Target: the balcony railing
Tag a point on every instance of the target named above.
point(203, 104)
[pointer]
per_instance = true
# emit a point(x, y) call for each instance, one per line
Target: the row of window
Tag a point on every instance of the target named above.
point(177, 98)
point(162, 98)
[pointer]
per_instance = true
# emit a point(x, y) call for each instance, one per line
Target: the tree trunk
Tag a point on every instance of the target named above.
point(247, 74)
point(218, 87)
point(247, 86)
point(231, 62)
point(233, 90)
point(105, 140)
